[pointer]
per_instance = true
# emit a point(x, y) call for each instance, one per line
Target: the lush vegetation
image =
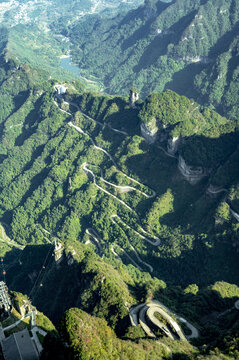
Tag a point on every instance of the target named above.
point(189, 47)
point(44, 188)
point(90, 338)
point(185, 237)
point(211, 310)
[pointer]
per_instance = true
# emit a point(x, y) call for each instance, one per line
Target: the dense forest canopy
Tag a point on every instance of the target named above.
point(95, 217)
point(188, 46)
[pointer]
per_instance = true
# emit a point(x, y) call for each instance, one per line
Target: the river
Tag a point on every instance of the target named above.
point(66, 63)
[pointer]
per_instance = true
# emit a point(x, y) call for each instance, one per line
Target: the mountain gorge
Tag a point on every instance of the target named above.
point(187, 46)
point(119, 213)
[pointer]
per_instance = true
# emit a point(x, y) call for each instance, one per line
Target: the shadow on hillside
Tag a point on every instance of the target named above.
point(99, 108)
point(52, 290)
point(60, 288)
point(225, 42)
point(22, 270)
point(19, 100)
point(143, 31)
point(30, 124)
point(183, 81)
point(193, 211)
point(2, 158)
point(159, 46)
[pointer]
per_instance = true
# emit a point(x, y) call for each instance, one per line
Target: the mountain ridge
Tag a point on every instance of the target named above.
point(77, 178)
point(175, 48)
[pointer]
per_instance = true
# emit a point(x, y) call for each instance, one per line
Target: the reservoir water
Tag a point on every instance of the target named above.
point(66, 63)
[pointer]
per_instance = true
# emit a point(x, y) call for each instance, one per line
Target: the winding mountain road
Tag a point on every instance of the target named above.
point(96, 121)
point(128, 256)
point(155, 308)
point(144, 314)
point(153, 193)
point(126, 188)
point(166, 153)
point(210, 190)
point(5, 239)
point(91, 232)
point(156, 243)
point(234, 214)
point(132, 247)
point(95, 145)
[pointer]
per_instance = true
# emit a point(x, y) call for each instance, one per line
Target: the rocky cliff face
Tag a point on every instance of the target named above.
point(173, 144)
point(155, 130)
point(134, 96)
point(192, 174)
point(149, 131)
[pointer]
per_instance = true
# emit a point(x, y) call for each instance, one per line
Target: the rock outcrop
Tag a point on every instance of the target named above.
point(134, 96)
point(173, 145)
point(70, 259)
point(192, 174)
point(196, 59)
point(149, 132)
point(58, 251)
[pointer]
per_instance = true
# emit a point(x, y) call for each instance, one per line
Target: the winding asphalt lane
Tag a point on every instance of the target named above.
point(211, 191)
point(129, 257)
point(153, 243)
point(155, 308)
point(96, 121)
point(194, 331)
point(143, 323)
point(153, 193)
point(94, 144)
point(156, 243)
point(91, 232)
point(122, 188)
point(138, 315)
point(234, 214)
point(166, 153)
point(132, 248)
point(7, 240)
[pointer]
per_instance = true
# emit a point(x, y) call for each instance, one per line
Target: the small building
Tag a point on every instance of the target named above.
point(19, 346)
point(62, 90)
point(5, 302)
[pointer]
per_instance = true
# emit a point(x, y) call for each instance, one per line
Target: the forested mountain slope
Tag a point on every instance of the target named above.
point(78, 178)
point(188, 46)
point(90, 337)
point(109, 292)
point(33, 27)
point(65, 174)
